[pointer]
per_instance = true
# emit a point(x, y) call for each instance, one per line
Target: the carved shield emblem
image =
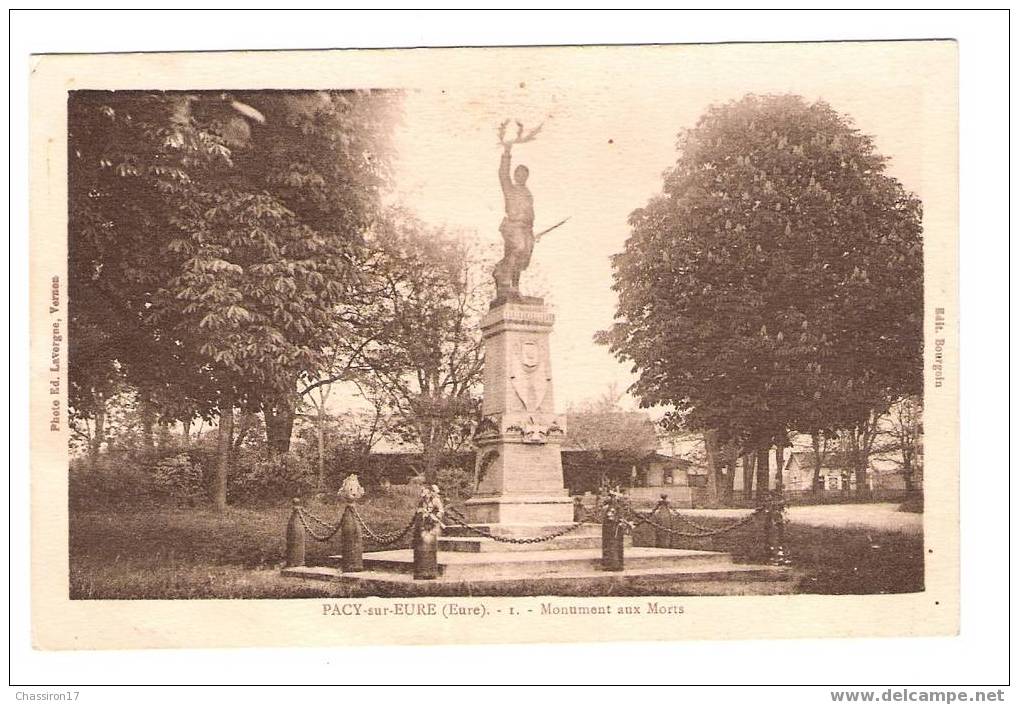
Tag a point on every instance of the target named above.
point(529, 354)
point(530, 382)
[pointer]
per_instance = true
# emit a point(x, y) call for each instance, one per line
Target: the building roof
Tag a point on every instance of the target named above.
point(832, 460)
point(669, 459)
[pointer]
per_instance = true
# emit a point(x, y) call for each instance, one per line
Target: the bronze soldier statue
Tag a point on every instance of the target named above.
point(517, 226)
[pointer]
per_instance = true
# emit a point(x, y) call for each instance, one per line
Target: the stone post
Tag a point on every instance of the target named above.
point(426, 547)
point(351, 542)
point(612, 535)
point(613, 532)
point(663, 539)
point(775, 532)
point(295, 537)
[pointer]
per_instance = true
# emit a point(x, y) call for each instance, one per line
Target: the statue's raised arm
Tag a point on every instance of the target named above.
point(507, 148)
point(504, 170)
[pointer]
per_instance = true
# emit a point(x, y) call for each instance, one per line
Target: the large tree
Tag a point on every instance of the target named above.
point(134, 161)
point(281, 242)
point(776, 282)
point(212, 238)
point(420, 350)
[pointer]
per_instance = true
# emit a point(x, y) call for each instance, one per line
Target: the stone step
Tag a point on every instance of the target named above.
point(457, 565)
point(693, 579)
point(480, 544)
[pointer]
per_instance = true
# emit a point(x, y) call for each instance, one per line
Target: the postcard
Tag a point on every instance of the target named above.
point(468, 345)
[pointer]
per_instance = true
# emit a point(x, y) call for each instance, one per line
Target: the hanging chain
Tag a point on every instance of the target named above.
point(383, 539)
point(304, 515)
point(321, 522)
point(662, 504)
point(459, 519)
point(646, 519)
point(332, 529)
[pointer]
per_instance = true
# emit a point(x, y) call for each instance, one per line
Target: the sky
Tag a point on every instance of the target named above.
point(610, 125)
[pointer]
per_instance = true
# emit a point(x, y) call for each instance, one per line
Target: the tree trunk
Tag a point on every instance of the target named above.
point(858, 459)
point(731, 457)
point(779, 466)
point(868, 433)
point(99, 437)
point(226, 429)
point(907, 469)
point(279, 426)
point(763, 466)
point(748, 476)
point(861, 479)
point(244, 425)
point(164, 435)
point(432, 433)
point(148, 414)
point(430, 462)
point(815, 481)
point(185, 437)
point(320, 431)
point(711, 450)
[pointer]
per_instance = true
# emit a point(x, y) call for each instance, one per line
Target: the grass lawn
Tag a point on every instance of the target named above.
point(839, 560)
point(199, 553)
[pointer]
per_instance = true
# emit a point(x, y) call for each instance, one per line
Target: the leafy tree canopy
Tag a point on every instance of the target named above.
point(776, 281)
point(212, 236)
point(422, 353)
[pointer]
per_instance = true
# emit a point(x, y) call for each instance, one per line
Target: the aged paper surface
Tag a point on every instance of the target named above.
point(610, 117)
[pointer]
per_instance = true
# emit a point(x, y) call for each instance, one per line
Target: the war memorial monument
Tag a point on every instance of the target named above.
point(521, 532)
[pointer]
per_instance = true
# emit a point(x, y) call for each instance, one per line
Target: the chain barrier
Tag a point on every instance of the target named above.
point(703, 532)
point(383, 539)
point(461, 520)
point(332, 529)
point(392, 537)
point(304, 515)
point(689, 522)
point(321, 522)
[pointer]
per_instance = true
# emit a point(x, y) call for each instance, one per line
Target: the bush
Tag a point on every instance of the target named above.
point(179, 478)
point(257, 477)
point(913, 503)
point(118, 479)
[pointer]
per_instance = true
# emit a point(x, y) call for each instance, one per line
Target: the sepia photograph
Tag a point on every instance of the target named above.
point(608, 329)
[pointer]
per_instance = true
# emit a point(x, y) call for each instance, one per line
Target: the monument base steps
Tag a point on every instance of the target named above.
point(463, 540)
point(537, 563)
point(480, 544)
point(568, 564)
point(704, 578)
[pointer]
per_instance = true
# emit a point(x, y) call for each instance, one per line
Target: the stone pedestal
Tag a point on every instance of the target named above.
point(520, 434)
